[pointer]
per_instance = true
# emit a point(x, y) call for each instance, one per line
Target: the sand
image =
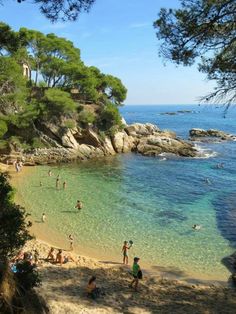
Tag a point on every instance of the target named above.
point(63, 289)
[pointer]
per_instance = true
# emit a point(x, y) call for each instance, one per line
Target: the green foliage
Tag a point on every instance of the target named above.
point(86, 117)
point(13, 229)
point(13, 90)
point(3, 144)
point(37, 143)
point(3, 128)
point(109, 117)
point(27, 276)
point(70, 124)
point(202, 30)
point(115, 90)
point(58, 102)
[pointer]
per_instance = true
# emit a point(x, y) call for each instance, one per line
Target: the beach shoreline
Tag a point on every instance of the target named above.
point(63, 287)
point(44, 232)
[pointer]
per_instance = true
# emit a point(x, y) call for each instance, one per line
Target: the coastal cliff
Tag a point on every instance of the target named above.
point(63, 144)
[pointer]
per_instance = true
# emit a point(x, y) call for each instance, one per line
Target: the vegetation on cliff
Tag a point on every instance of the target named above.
point(56, 83)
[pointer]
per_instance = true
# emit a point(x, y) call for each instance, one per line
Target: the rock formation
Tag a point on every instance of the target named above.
point(64, 144)
point(210, 135)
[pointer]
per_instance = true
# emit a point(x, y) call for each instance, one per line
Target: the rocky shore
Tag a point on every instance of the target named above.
point(210, 135)
point(65, 145)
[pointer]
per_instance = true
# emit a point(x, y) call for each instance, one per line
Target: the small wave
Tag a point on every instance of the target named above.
point(204, 152)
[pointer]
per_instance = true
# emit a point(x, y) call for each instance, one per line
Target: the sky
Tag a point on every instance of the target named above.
point(118, 37)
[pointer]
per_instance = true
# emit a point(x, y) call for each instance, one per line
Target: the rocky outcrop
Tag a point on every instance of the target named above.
point(65, 145)
point(210, 135)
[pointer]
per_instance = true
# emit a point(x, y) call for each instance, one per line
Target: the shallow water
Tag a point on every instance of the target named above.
point(147, 200)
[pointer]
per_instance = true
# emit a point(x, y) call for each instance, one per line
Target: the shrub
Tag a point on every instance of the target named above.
point(85, 117)
point(109, 117)
point(26, 275)
point(58, 101)
point(70, 124)
point(3, 128)
point(37, 143)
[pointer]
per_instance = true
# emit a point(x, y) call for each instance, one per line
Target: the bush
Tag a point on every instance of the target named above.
point(37, 143)
point(109, 117)
point(70, 124)
point(26, 275)
point(58, 101)
point(3, 128)
point(85, 117)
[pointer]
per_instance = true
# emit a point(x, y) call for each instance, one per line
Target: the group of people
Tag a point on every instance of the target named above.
point(58, 258)
point(32, 258)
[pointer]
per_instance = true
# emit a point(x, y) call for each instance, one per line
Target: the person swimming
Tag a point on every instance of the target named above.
point(196, 227)
point(79, 205)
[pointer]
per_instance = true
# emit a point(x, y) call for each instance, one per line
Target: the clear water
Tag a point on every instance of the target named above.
point(153, 202)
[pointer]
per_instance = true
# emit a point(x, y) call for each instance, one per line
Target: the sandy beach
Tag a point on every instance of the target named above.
point(63, 289)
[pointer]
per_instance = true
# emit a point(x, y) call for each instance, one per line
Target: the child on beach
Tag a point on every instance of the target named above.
point(125, 249)
point(137, 273)
point(92, 289)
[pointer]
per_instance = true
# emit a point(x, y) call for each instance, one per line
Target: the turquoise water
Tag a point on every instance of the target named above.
point(150, 201)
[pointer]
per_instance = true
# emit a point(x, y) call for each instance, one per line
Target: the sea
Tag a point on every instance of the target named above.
point(152, 201)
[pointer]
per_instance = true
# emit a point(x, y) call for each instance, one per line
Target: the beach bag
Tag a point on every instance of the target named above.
point(140, 274)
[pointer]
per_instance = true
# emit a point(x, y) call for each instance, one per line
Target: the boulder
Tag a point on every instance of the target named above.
point(210, 135)
point(140, 129)
point(122, 142)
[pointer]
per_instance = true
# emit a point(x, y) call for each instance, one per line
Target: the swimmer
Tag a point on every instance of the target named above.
point(40, 183)
point(196, 227)
point(79, 205)
point(207, 181)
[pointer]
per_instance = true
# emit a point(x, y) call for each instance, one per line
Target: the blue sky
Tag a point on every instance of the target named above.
point(117, 36)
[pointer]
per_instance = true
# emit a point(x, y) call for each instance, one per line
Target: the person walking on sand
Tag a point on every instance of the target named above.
point(137, 273)
point(125, 249)
point(71, 240)
point(43, 217)
point(79, 205)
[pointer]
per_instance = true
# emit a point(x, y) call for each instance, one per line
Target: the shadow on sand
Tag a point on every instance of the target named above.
point(156, 295)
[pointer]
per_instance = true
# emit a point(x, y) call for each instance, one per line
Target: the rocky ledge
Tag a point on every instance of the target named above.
point(210, 135)
point(65, 145)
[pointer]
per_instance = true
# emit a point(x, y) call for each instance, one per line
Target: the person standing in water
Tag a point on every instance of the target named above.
point(64, 185)
point(79, 205)
point(125, 249)
point(49, 173)
point(43, 217)
point(57, 182)
point(71, 242)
